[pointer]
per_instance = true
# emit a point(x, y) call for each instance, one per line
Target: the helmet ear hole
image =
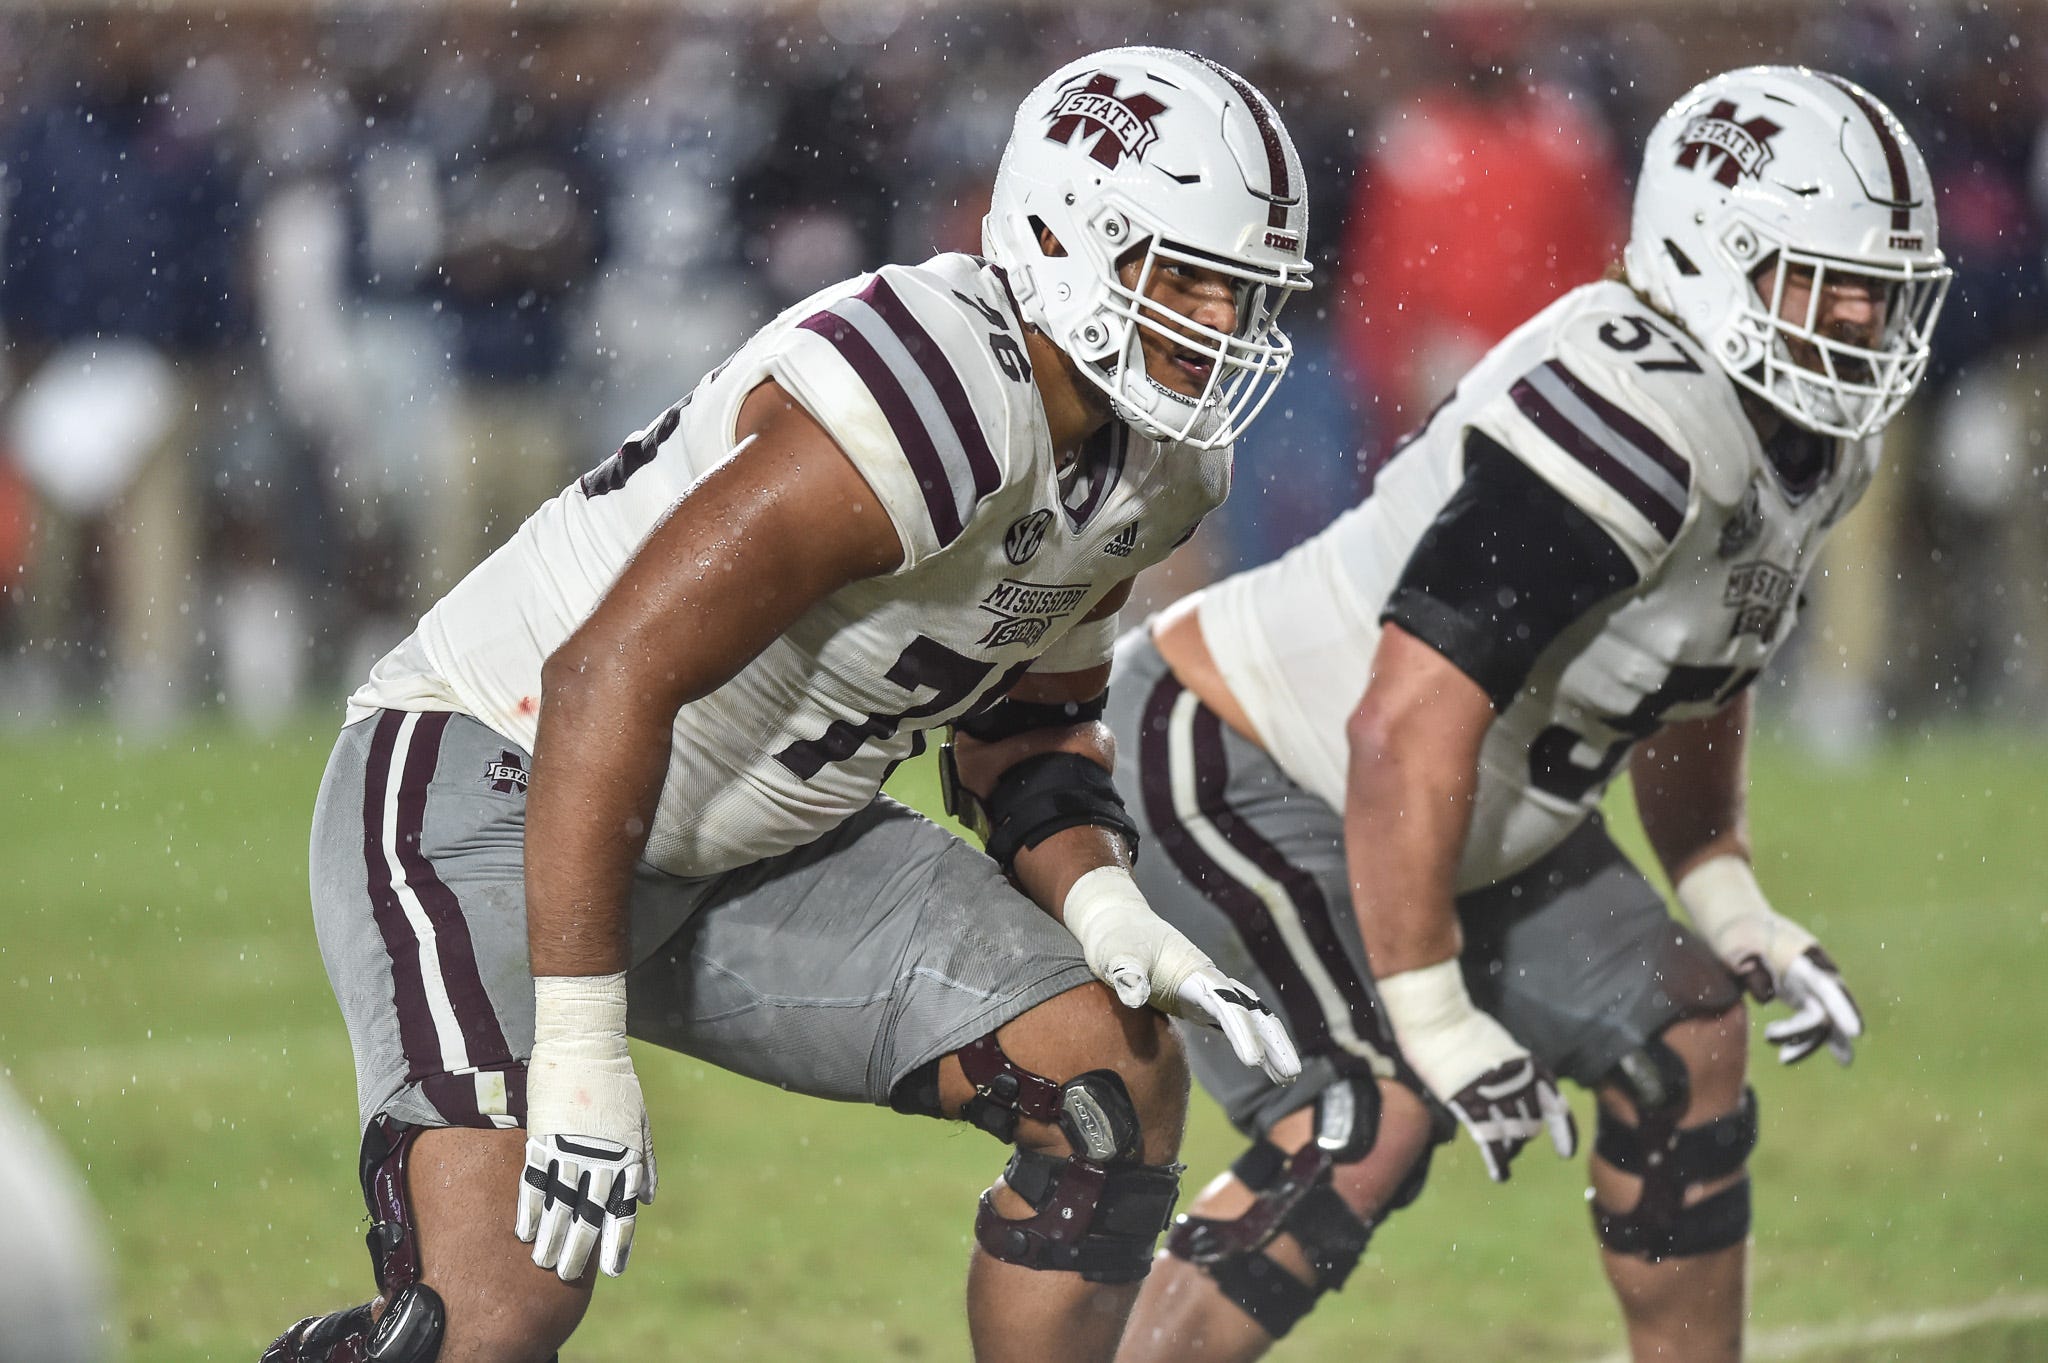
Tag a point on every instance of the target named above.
point(1048, 244)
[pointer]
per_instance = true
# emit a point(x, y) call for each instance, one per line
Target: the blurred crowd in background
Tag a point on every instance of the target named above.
point(305, 308)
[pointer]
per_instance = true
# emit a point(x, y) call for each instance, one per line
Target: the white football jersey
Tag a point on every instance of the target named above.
point(1622, 413)
point(920, 373)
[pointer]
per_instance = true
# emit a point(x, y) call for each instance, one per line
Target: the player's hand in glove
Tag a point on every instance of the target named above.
point(1822, 1011)
point(1147, 960)
point(1774, 957)
point(589, 1157)
point(1254, 1033)
point(1489, 1081)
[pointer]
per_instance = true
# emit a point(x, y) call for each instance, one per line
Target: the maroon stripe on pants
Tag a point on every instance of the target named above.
point(481, 1035)
point(454, 1096)
point(1292, 997)
point(1303, 890)
point(416, 1036)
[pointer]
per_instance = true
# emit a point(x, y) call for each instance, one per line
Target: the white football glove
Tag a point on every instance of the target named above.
point(1147, 960)
point(589, 1155)
point(1498, 1092)
point(1773, 957)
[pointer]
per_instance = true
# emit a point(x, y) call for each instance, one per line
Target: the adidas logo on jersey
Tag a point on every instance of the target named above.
point(1124, 543)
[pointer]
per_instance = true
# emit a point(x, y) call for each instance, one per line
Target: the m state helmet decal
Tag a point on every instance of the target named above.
point(1743, 148)
point(1121, 125)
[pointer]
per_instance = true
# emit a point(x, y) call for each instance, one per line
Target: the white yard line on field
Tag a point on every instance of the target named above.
point(1799, 1341)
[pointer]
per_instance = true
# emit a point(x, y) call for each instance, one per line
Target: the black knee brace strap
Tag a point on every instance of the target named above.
point(1097, 1212)
point(414, 1317)
point(1093, 1110)
point(1669, 1160)
point(393, 1243)
point(1294, 1195)
point(1100, 1221)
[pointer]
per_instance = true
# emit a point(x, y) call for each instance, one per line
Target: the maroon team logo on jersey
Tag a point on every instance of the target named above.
point(507, 775)
point(1740, 148)
point(1121, 125)
point(1024, 536)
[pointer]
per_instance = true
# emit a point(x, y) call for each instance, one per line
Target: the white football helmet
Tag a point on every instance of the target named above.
point(1760, 175)
point(1148, 149)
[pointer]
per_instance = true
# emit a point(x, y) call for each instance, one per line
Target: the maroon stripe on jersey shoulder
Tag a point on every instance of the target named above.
point(416, 1034)
point(454, 947)
point(1277, 178)
point(1901, 202)
point(901, 414)
point(1567, 436)
point(1624, 424)
point(938, 371)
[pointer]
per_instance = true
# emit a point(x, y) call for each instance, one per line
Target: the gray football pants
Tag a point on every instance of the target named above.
point(834, 969)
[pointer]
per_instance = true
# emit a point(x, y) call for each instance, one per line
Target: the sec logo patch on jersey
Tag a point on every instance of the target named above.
point(1024, 536)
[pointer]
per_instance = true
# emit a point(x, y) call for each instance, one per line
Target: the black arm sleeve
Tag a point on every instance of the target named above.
point(1506, 566)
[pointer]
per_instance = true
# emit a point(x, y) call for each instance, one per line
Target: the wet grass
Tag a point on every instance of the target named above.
point(163, 1006)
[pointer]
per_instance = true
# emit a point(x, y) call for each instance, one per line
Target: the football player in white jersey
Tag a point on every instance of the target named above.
point(1371, 770)
point(623, 780)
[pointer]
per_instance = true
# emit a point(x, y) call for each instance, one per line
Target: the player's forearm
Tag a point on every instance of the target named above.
point(1691, 783)
point(1048, 871)
point(1405, 820)
point(599, 759)
point(1407, 807)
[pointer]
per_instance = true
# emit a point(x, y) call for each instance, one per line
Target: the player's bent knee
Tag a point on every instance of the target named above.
point(1675, 1162)
point(1096, 1208)
point(414, 1318)
point(1297, 1194)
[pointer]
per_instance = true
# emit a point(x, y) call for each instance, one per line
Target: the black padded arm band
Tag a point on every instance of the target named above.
point(1043, 795)
point(1506, 567)
point(1008, 718)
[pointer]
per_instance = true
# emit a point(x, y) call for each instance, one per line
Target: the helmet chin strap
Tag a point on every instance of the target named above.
point(1141, 400)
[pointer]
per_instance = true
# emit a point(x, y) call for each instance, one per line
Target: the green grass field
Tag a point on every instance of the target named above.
point(163, 1006)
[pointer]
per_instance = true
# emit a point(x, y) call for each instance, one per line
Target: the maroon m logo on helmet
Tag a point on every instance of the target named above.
point(1742, 148)
point(1090, 106)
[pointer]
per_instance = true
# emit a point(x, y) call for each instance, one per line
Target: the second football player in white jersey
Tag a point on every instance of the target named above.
point(1373, 767)
point(624, 778)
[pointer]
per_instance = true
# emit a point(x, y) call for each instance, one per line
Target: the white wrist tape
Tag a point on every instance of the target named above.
point(1444, 1036)
point(580, 1079)
point(1726, 904)
point(1128, 946)
point(572, 1007)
